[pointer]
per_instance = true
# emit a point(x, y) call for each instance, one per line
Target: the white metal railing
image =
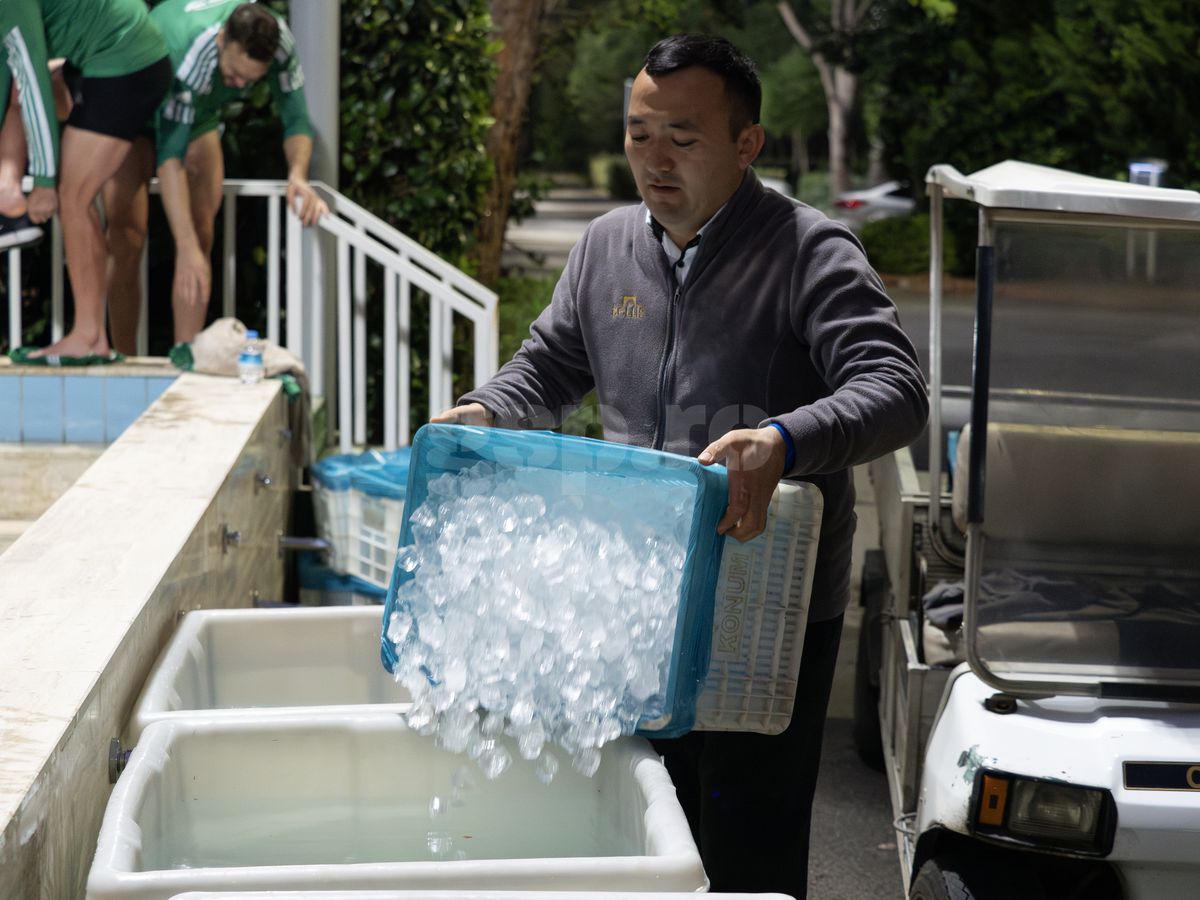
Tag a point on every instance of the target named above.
point(328, 269)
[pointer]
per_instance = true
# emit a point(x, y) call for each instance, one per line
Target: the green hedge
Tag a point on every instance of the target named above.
point(416, 81)
point(610, 172)
point(900, 245)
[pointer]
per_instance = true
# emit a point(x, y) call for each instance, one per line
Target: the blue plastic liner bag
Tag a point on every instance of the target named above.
point(557, 589)
point(358, 502)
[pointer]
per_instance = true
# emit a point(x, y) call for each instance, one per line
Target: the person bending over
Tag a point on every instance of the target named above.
point(218, 51)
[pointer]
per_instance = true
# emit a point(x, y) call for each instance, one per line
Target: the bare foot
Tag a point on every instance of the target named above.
point(74, 344)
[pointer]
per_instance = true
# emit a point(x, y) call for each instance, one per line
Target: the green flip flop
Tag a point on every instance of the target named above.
point(20, 356)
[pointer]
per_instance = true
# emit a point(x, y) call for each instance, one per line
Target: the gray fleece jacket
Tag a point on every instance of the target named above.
point(781, 319)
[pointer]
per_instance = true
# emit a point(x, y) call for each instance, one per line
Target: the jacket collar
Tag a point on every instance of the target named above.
point(717, 231)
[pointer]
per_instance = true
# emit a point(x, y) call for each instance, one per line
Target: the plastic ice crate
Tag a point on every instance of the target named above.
point(322, 586)
point(441, 449)
point(743, 607)
point(358, 502)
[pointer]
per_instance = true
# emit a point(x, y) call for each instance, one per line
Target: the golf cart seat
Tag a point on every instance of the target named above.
point(1041, 485)
point(1054, 525)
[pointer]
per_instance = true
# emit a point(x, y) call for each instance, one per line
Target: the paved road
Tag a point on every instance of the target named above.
point(853, 854)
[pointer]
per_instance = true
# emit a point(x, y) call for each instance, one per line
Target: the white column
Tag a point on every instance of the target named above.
point(316, 25)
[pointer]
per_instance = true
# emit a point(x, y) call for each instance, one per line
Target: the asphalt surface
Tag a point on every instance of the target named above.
point(853, 852)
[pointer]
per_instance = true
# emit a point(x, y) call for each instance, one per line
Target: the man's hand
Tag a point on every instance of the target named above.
point(193, 277)
point(470, 414)
point(42, 204)
point(755, 459)
point(304, 201)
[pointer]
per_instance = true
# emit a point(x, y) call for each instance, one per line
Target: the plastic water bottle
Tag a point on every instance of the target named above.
point(250, 360)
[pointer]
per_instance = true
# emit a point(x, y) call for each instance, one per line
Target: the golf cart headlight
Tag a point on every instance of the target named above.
point(1057, 812)
point(1047, 814)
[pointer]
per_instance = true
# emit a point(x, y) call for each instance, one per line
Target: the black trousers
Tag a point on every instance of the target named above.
point(748, 797)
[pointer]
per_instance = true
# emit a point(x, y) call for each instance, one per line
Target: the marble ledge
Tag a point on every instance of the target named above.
point(75, 586)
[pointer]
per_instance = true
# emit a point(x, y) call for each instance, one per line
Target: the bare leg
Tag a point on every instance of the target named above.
point(88, 160)
point(12, 159)
point(126, 207)
point(206, 173)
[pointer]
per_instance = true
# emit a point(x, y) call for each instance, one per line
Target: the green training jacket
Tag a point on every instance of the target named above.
point(198, 94)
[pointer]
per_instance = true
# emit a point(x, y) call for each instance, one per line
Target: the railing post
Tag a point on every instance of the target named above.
point(229, 251)
point(273, 209)
point(295, 289)
point(446, 358)
point(485, 348)
point(14, 299)
point(435, 354)
point(56, 280)
point(360, 347)
point(405, 362)
point(345, 406)
point(143, 329)
point(315, 293)
point(389, 359)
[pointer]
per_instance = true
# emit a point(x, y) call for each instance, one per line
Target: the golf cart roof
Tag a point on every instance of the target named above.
point(1019, 185)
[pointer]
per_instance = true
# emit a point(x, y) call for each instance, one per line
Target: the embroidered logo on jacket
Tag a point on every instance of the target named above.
point(629, 308)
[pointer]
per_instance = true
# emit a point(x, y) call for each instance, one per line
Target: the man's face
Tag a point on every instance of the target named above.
point(684, 159)
point(237, 68)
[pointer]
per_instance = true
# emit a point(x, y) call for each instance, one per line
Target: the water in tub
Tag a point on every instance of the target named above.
point(537, 613)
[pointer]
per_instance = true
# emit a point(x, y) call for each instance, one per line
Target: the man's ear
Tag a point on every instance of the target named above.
point(750, 143)
point(220, 38)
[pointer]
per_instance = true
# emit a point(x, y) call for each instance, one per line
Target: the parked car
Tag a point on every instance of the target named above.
point(857, 208)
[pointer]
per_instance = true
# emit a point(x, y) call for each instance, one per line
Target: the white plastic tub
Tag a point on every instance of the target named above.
point(343, 803)
point(245, 663)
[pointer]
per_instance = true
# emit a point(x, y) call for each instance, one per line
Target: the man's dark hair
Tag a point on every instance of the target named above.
point(255, 30)
point(737, 70)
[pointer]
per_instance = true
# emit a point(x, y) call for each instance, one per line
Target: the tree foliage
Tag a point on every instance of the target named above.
point(792, 97)
point(1085, 85)
point(416, 79)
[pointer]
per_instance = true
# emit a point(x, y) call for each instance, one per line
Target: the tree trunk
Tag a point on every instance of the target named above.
point(839, 83)
point(840, 103)
point(799, 153)
point(517, 24)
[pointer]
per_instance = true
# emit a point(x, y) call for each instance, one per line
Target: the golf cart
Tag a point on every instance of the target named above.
point(1029, 662)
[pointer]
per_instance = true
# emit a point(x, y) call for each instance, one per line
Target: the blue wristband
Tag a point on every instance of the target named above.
point(790, 460)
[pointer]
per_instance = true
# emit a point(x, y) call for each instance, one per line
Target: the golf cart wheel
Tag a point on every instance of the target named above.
point(963, 878)
point(873, 593)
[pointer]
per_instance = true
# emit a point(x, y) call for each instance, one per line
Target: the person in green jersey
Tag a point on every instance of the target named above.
point(117, 72)
point(219, 48)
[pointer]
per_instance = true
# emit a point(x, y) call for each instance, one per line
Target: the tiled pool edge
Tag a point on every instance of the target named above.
point(89, 593)
point(92, 404)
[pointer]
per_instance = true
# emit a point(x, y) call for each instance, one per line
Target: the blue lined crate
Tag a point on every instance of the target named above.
point(358, 502)
point(321, 586)
point(440, 449)
point(744, 606)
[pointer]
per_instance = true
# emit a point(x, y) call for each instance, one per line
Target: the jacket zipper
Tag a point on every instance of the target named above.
point(668, 352)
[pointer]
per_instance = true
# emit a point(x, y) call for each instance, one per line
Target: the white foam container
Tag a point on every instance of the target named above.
point(343, 803)
point(247, 663)
point(759, 617)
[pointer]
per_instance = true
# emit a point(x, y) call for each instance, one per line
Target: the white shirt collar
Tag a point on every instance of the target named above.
point(681, 258)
